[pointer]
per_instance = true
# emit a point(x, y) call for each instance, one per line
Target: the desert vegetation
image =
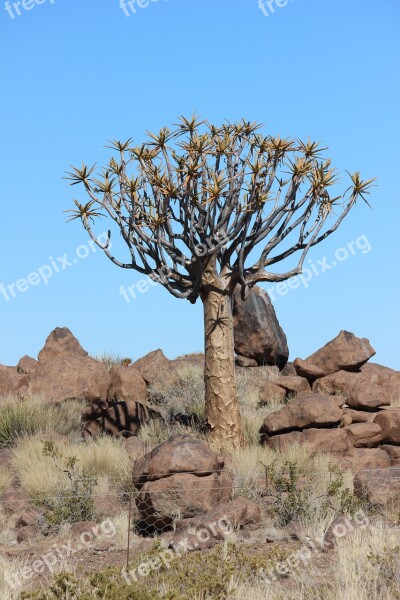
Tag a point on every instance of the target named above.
point(63, 477)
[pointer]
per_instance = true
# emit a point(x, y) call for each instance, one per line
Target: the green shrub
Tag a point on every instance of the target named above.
point(74, 503)
point(293, 497)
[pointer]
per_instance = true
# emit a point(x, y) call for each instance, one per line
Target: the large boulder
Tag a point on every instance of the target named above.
point(359, 389)
point(60, 342)
point(344, 353)
point(364, 435)
point(269, 392)
point(304, 411)
point(118, 418)
point(292, 384)
point(126, 384)
point(335, 441)
point(365, 458)
point(358, 416)
point(155, 368)
point(381, 486)
point(257, 332)
point(386, 378)
point(393, 453)
point(236, 514)
point(389, 422)
point(70, 376)
point(180, 478)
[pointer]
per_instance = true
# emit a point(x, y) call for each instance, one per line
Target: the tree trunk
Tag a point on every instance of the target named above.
point(222, 410)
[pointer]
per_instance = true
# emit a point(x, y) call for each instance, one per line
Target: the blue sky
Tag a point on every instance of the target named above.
point(76, 74)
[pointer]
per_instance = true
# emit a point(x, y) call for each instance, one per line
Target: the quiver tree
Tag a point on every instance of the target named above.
point(203, 209)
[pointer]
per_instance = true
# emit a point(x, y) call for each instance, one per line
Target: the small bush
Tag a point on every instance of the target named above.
point(74, 502)
point(300, 498)
point(104, 459)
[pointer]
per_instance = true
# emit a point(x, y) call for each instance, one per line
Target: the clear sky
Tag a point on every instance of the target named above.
point(77, 73)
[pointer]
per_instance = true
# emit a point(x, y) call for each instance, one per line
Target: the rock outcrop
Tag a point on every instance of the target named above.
point(345, 353)
point(155, 368)
point(346, 412)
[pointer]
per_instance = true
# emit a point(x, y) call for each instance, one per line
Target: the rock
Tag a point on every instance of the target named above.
point(61, 342)
point(14, 501)
point(189, 360)
point(181, 494)
point(156, 368)
point(27, 365)
point(12, 383)
point(365, 458)
point(381, 486)
point(24, 534)
point(282, 441)
point(116, 418)
point(387, 378)
point(360, 392)
point(268, 391)
point(82, 527)
point(179, 454)
point(393, 452)
point(344, 353)
point(70, 376)
point(389, 421)
point(243, 361)
point(134, 446)
point(224, 518)
point(289, 370)
point(319, 440)
point(92, 430)
point(257, 332)
point(106, 505)
point(304, 411)
point(181, 477)
point(126, 384)
point(94, 410)
point(364, 435)
point(28, 518)
point(293, 384)
point(359, 416)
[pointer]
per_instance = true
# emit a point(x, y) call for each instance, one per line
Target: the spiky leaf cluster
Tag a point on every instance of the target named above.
point(203, 191)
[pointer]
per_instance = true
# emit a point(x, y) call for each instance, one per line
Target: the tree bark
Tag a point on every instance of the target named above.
point(221, 399)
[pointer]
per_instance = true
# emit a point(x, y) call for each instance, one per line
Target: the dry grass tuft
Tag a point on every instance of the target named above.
point(41, 476)
point(29, 416)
